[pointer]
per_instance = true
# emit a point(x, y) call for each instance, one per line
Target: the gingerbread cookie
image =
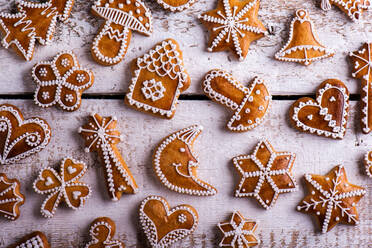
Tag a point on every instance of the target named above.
point(251, 104)
point(368, 163)
point(121, 18)
point(332, 199)
point(353, 8)
point(101, 136)
point(20, 138)
point(233, 25)
point(164, 226)
point(303, 46)
point(33, 22)
point(325, 116)
point(11, 197)
point(238, 232)
point(361, 68)
point(176, 5)
point(63, 186)
point(176, 165)
point(61, 82)
point(265, 174)
point(159, 77)
point(34, 240)
point(102, 231)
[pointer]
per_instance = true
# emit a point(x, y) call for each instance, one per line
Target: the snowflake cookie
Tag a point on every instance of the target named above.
point(101, 136)
point(63, 186)
point(34, 240)
point(159, 77)
point(121, 18)
point(176, 165)
point(303, 46)
point(176, 5)
point(233, 25)
point(61, 82)
point(368, 163)
point(11, 197)
point(20, 138)
point(265, 174)
point(251, 104)
point(33, 22)
point(353, 8)
point(327, 114)
point(164, 226)
point(238, 232)
point(332, 199)
point(102, 231)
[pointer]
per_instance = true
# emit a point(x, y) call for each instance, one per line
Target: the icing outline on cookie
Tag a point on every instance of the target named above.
point(34, 240)
point(172, 8)
point(15, 198)
point(368, 163)
point(353, 8)
point(95, 231)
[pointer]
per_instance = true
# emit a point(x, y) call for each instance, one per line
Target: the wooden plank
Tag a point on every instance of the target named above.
point(334, 30)
point(281, 226)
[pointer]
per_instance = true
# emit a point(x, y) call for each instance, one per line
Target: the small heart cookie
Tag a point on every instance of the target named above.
point(176, 5)
point(164, 226)
point(368, 163)
point(327, 114)
point(101, 231)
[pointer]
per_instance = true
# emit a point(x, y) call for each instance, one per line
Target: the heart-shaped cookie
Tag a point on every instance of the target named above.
point(176, 5)
point(325, 116)
point(20, 138)
point(164, 226)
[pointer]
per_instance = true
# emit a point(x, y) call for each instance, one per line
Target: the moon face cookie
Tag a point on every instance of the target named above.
point(102, 231)
point(20, 138)
point(159, 77)
point(332, 199)
point(176, 5)
point(327, 114)
point(251, 104)
point(368, 163)
point(121, 18)
point(61, 82)
point(233, 25)
point(164, 226)
point(63, 186)
point(176, 165)
point(33, 22)
point(353, 8)
point(11, 197)
point(34, 240)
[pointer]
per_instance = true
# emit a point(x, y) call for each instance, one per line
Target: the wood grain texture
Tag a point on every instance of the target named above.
point(334, 30)
point(281, 226)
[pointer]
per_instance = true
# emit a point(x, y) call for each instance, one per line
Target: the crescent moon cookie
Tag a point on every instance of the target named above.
point(327, 114)
point(34, 240)
point(11, 197)
point(101, 136)
point(353, 8)
point(176, 5)
point(20, 138)
point(303, 46)
point(33, 22)
point(332, 199)
point(61, 82)
point(233, 25)
point(251, 104)
point(159, 77)
point(265, 174)
point(368, 163)
point(102, 231)
point(176, 165)
point(63, 186)
point(121, 18)
point(164, 226)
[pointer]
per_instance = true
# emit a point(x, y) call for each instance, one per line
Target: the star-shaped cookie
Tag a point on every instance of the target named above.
point(265, 174)
point(332, 198)
point(233, 25)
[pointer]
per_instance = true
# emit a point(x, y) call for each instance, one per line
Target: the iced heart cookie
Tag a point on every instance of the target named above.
point(102, 231)
point(159, 77)
point(265, 174)
point(101, 136)
point(368, 163)
point(233, 25)
point(34, 240)
point(61, 82)
point(63, 186)
point(238, 232)
point(11, 197)
point(176, 5)
point(332, 199)
point(327, 114)
point(20, 138)
point(251, 104)
point(121, 18)
point(176, 165)
point(164, 226)
point(33, 22)
point(303, 46)
point(353, 8)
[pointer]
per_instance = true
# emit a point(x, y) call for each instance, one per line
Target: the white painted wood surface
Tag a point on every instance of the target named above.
point(281, 226)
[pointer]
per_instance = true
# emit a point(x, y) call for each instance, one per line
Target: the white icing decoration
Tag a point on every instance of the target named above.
point(33, 242)
point(69, 98)
point(180, 7)
point(45, 95)
point(182, 218)
point(14, 199)
point(71, 170)
point(353, 8)
point(106, 242)
point(153, 90)
point(65, 62)
point(80, 78)
point(368, 164)
point(43, 72)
